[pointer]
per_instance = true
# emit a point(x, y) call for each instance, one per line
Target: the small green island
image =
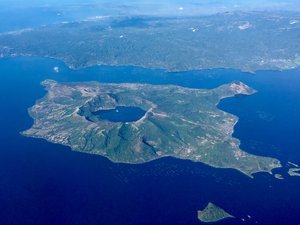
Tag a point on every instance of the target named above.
point(212, 214)
point(148, 122)
point(279, 176)
point(294, 172)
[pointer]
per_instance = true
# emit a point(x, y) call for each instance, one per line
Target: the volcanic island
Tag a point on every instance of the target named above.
point(137, 123)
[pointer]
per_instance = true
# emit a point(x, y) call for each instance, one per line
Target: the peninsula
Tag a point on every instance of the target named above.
point(248, 41)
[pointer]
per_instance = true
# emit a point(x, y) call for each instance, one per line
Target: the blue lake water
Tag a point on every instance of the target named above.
point(44, 183)
point(23, 15)
point(121, 114)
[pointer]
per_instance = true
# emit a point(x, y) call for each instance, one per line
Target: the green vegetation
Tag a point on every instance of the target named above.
point(248, 41)
point(179, 122)
point(213, 213)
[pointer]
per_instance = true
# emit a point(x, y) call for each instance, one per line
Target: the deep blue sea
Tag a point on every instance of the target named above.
point(45, 184)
